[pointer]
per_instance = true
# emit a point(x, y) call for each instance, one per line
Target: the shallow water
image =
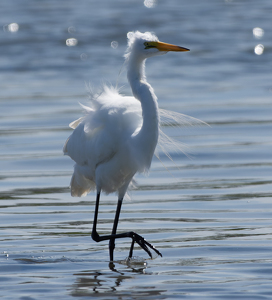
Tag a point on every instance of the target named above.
point(209, 213)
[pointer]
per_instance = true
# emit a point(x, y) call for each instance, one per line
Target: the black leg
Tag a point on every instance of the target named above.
point(134, 236)
point(131, 249)
point(114, 228)
point(95, 235)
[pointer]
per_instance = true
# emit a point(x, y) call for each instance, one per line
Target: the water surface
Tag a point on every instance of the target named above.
point(209, 213)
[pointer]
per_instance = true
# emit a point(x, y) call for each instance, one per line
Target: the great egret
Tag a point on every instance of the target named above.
point(117, 136)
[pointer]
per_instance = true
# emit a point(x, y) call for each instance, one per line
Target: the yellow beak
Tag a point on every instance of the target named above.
point(169, 47)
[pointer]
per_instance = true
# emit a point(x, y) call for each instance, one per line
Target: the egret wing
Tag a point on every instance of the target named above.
point(110, 120)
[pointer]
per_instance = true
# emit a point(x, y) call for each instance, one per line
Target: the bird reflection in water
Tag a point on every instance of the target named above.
point(106, 283)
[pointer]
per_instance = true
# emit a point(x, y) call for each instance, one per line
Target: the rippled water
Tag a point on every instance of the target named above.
point(209, 213)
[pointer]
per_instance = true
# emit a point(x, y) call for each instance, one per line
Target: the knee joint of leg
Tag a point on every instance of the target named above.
point(95, 236)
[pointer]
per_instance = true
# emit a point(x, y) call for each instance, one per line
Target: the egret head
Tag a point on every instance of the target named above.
point(147, 44)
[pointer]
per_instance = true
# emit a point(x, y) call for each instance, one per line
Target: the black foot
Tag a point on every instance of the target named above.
point(143, 244)
point(135, 238)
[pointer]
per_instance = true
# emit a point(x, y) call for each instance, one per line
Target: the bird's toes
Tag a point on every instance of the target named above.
point(144, 244)
point(153, 248)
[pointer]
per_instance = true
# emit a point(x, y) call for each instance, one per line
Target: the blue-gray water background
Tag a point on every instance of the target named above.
point(209, 214)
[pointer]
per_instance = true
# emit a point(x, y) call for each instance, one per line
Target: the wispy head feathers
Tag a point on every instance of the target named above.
point(136, 38)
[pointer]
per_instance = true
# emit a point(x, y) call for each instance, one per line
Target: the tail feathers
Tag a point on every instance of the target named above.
point(80, 185)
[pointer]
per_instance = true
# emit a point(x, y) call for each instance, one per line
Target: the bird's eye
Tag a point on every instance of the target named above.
point(148, 45)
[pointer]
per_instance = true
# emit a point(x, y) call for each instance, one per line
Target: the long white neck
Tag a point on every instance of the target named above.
point(147, 138)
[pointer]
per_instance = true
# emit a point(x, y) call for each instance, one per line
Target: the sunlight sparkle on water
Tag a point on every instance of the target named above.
point(150, 3)
point(130, 34)
point(259, 49)
point(71, 29)
point(258, 32)
point(114, 44)
point(12, 27)
point(71, 42)
point(83, 56)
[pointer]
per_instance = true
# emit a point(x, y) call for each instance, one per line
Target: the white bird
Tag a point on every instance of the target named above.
point(118, 135)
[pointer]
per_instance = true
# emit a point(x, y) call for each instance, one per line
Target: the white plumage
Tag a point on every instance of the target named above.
point(101, 144)
point(118, 135)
